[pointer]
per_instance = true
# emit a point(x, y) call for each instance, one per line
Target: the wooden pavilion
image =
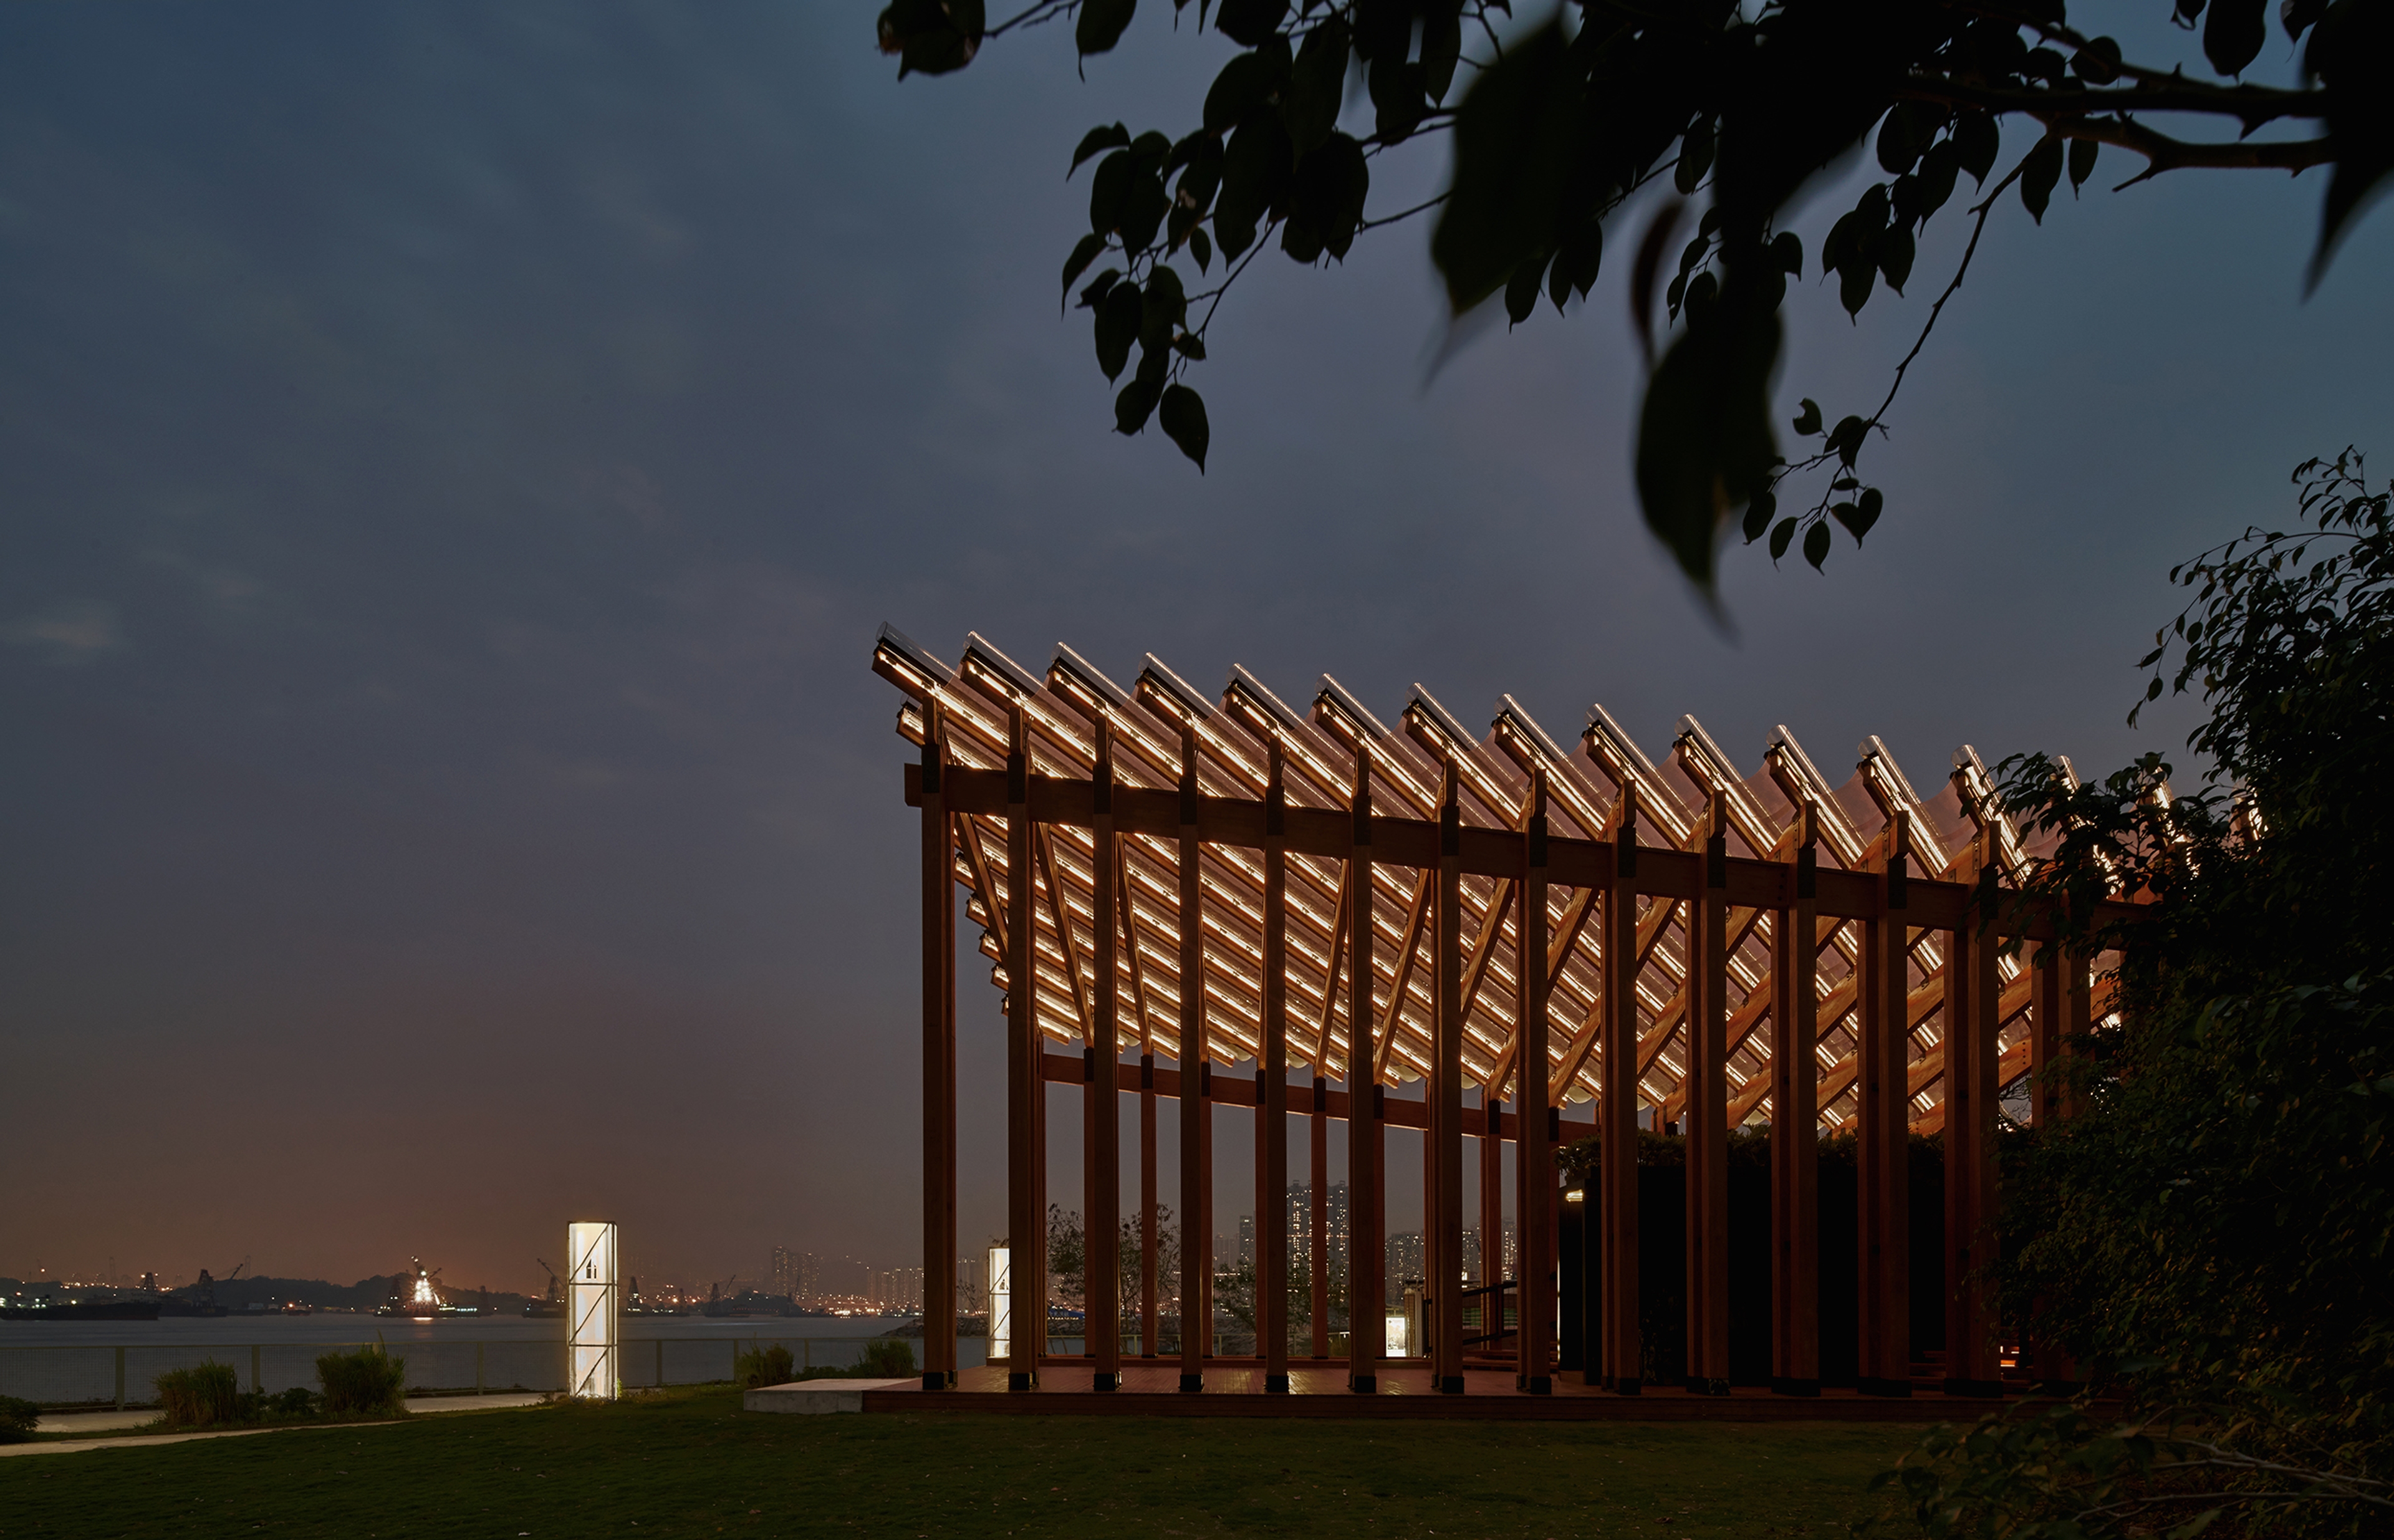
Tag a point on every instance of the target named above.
point(1170, 885)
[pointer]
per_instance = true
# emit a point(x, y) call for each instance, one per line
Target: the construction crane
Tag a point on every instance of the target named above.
point(204, 1291)
point(550, 1304)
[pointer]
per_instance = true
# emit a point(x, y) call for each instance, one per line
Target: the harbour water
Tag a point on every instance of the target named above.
point(61, 1362)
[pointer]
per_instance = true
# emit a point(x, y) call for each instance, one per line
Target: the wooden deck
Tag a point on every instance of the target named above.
point(1237, 1391)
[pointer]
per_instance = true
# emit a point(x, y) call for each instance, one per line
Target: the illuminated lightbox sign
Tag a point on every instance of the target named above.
point(594, 1310)
point(1001, 1301)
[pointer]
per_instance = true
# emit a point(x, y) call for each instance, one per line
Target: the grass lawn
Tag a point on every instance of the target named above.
point(693, 1464)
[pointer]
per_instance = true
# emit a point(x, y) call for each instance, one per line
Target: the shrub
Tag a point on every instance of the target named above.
point(298, 1402)
point(364, 1383)
point(888, 1358)
point(2208, 1233)
point(18, 1419)
point(760, 1366)
point(204, 1393)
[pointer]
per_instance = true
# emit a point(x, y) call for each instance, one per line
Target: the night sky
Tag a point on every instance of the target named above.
point(454, 459)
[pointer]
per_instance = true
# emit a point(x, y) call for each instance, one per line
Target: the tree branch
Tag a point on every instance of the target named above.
point(1392, 218)
point(2251, 105)
point(2164, 153)
point(1031, 16)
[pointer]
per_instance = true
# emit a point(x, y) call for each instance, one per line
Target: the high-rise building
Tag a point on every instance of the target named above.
point(1403, 1257)
point(1246, 1239)
point(1300, 1223)
point(795, 1274)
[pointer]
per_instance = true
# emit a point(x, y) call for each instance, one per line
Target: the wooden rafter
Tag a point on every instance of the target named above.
point(1408, 951)
point(1062, 919)
point(1337, 971)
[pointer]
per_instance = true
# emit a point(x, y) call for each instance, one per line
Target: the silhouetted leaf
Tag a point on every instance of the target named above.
point(1399, 98)
point(1102, 23)
point(1905, 134)
point(1162, 310)
point(1978, 141)
point(1111, 136)
point(1200, 246)
point(1704, 439)
point(2099, 62)
point(1846, 438)
point(1310, 104)
point(2038, 172)
point(1442, 49)
point(1117, 327)
point(1133, 404)
point(1816, 546)
point(1248, 22)
point(1326, 201)
point(1237, 91)
point(1107, 190)
point(2234, 33)
point(1924, 192)
point(932, 37)
point(1182, 415)
point(1200, 177)
point(2347, 51)
point(1859, 515)
point(1787, 250)
point(1513, 135)
point(1895, 254)
point(1092, 296)
point(1256, 167)
point(2081, 161)
point(1695, 155)
point(1086, 251)
point(1855, 280)
point(1807, 421)
point(1576, 265)
point(1758, 514)
point(1521, 292)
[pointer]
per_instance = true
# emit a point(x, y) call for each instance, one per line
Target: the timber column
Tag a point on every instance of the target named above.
point(1445, 1247)
point(1620, 1350)
point(1196, 1119)
point(1147, 1348)
point(1026, 1204)
point(1882, 1152)
point(1796, 1120)
point(1271, 1099)
point(1533, 1149)
point(938, 1064)
point(1972, 1367)
point(1101, 1274)
point(2061, 999)
point(1707, 1115)
point(1366, 1290)
point(1318, 1247)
